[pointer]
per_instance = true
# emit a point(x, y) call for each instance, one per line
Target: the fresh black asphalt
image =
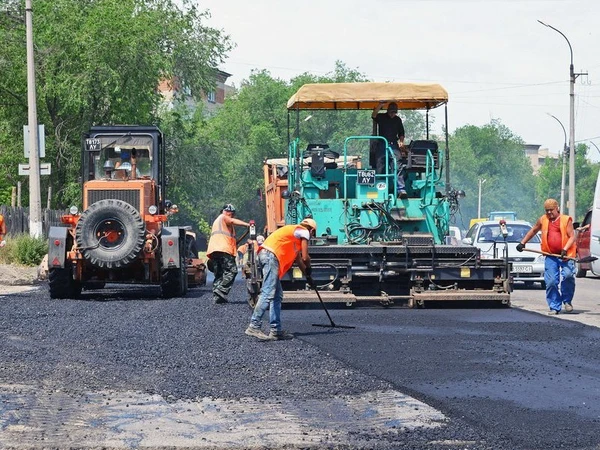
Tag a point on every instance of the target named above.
point(505, 378)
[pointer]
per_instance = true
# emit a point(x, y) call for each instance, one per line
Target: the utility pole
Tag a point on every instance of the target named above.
point(572, 77)
point(481, 181)
point(35, 206)
point(564, 165)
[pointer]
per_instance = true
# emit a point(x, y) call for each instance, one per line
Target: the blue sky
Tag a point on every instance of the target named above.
point(493, 57)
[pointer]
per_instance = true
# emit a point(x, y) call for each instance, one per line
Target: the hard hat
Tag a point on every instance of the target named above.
point(229, 208)
point(393, 106)
point(309, 223)
point(260, 239)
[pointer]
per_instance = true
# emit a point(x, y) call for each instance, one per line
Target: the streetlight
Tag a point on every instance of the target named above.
point(572, 77)
point(481, 181)
point(564, 164)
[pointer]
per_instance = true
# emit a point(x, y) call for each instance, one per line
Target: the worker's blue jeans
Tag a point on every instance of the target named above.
point(559, 276)
point(401, 162)
point(271, 292)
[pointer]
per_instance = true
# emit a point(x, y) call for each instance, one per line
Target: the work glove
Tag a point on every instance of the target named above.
point(308, 271)
point(563, 253)
point(520, 247)
point(2, 243)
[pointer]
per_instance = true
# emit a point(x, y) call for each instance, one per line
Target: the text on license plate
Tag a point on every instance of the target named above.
point(522, 268)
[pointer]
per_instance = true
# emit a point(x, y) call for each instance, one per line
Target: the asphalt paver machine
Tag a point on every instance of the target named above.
point(373, 244)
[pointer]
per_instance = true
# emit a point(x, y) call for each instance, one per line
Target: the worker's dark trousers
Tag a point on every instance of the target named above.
point(225, 270)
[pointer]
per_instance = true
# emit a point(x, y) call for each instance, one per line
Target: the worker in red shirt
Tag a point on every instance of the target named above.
point(558, 238)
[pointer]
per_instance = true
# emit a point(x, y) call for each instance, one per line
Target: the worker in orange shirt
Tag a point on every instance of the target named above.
point(222, 250)
point(2, 231)
point(281, 249)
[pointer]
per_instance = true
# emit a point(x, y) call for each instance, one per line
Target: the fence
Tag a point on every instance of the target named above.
point(17, 219)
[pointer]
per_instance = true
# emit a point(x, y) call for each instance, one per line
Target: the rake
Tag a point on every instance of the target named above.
point(331, 323)
point(586, 259)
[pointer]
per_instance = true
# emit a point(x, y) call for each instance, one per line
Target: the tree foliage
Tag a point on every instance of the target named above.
point(492, 153)
point(586, 174)
point(98, 62)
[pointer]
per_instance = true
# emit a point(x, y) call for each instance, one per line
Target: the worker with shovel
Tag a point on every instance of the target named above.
point(558, 244)
point(276, 255)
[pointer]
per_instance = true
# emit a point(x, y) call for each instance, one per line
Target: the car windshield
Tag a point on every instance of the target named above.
point(516, 232)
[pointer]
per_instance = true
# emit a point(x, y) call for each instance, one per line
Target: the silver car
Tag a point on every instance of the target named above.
point(527, 267)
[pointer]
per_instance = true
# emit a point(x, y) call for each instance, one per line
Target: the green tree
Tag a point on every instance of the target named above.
point(494, 153)
point(98, 62)
point(586, 173)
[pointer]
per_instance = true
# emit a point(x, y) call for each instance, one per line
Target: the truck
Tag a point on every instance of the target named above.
point(122, 234)
point(588, 238)
point(372, 244)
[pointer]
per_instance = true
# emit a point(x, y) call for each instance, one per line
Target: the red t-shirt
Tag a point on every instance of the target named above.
point(554, 237)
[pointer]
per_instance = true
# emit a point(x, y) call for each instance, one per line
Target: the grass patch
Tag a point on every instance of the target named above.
point(23, 249)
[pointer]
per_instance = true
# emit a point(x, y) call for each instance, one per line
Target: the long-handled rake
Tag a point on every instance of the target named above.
point(586, 259)
point(331, 323)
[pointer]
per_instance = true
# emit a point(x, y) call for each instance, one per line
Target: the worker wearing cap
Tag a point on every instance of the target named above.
point(242, 250)
point(558, 238)
point(390, 126)
point(276, 256)
point(2, 231)
point(222, 250)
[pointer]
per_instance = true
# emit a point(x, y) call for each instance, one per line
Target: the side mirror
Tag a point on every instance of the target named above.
point(467, 240)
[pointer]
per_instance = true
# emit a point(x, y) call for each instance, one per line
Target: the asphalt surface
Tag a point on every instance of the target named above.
point(122, 369)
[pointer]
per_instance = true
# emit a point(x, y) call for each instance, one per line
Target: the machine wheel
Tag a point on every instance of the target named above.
point(174, 282)
point(62, 284)
point(579, 272)
point(191, 250)
point(110, 234)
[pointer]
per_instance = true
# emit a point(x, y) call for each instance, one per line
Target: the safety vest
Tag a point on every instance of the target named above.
point(222, 238)
point(285, 246)
point(2, 228)
point(564, 221)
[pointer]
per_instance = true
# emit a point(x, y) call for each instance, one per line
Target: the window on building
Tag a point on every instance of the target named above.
point(211, 97)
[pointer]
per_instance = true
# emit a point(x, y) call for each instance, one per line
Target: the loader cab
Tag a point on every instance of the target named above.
point(121, 154)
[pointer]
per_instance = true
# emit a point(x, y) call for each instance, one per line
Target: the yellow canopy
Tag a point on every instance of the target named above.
point(368, 95)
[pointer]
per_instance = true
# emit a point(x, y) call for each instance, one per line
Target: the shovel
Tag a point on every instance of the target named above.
point(587, 259)
point(332, 324)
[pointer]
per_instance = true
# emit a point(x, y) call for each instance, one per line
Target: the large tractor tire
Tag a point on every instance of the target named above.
point(174, 282)
point(110, 234)
point(62, 284)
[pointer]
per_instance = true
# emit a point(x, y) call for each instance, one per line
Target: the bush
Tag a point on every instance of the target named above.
point(23, 249)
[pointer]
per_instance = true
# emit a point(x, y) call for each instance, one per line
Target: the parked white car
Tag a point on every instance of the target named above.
point(455, 235)
point(527, 267)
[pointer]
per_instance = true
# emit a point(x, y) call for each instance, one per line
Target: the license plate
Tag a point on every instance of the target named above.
point(366, 177)
point(522, 269)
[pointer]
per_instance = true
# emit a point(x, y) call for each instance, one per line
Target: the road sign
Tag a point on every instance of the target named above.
point(41, 141)
point(44, 169)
